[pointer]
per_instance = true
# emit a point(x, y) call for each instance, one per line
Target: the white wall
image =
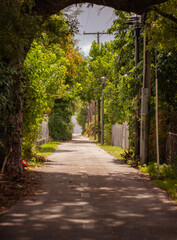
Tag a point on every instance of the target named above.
point(120, 135)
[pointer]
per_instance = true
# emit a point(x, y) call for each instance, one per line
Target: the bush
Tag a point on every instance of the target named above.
point(60, 126)
point(166, 171)
point(107, 134)
point(170, 185)
point(129, 158)
point(82, 116)
point(90, 130)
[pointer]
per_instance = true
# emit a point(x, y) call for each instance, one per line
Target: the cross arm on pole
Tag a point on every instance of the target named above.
point(95, 33)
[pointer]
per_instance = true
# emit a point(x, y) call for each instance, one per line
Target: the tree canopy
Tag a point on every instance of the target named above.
point(40, 65)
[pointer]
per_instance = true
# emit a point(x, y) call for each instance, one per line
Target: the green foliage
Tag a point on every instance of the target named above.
point(50, 66)
point(90, 130)
point(101, 64)
point(107, 134)
point(126, 82)
point(39, 154)
point(10, 102)
point(167, 74)
point(166, 171)
point(115, 61)
point(46, 70)
point(46, 149)
point(83, 79)
point(60, 127)
point(129, 158)
point(35, 161)
point(113, 150)
point(55, 31)
point(162, 30)
point(82, 116)
point(17, 25)
point(163, 130)
point(170, 185)
point(54, 70)
point(167, 103)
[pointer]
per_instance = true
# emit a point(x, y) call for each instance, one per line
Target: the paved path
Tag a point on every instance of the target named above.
point(89, 195)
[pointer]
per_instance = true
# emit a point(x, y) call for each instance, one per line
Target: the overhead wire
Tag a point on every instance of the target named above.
point(88, 16)
point(108, 22)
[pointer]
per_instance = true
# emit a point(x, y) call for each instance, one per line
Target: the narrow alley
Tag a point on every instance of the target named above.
point(89, 195)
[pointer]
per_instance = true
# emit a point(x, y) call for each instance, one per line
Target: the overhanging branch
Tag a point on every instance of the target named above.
point(163, 14)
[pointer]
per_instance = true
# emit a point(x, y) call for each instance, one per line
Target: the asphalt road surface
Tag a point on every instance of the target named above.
point(89, 195)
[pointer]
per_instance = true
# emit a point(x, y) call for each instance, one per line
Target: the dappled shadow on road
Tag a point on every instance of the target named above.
point(117, 161)
point(82, 141)
point(64, 151)
point(78, 139)
point(91, 207)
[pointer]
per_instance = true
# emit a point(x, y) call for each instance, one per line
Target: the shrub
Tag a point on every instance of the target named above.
point(90, 130)
point(60, 126)
point(166, 171)
point(82, 116)
point(129, 157)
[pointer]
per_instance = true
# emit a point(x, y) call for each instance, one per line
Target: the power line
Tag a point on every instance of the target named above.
point(88, 16)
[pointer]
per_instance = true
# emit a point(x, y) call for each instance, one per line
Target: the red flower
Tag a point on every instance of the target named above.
point(89, 135)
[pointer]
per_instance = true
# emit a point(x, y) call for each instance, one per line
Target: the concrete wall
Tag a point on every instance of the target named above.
point(120, 135)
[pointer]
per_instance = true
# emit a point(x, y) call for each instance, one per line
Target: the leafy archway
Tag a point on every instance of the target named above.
point(48, 7)
point(20, 21)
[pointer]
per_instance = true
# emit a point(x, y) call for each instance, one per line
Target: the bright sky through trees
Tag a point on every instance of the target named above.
point(93, 19)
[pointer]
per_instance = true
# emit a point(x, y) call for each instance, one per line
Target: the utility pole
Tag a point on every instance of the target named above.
point(95, 122)
point(99, 102)
point(156, 114)
point(136, 22)
point(103, 79)
point(145, 94)
point(136, 34)
point(96, 33)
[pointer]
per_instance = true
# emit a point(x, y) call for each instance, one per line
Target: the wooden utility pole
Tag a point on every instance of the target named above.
point(103, 79)
point(137, 131)
point(99, 102)
point(95, 121)
point(145, 94)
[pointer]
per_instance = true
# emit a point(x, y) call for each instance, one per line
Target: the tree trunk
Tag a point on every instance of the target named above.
point(14, 162)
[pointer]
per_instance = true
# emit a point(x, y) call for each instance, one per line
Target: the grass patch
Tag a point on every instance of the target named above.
point(113, 150)
point(166, 171)
point(47, 149)
point(39, 154)
point(92, 138)
point(169, 185)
